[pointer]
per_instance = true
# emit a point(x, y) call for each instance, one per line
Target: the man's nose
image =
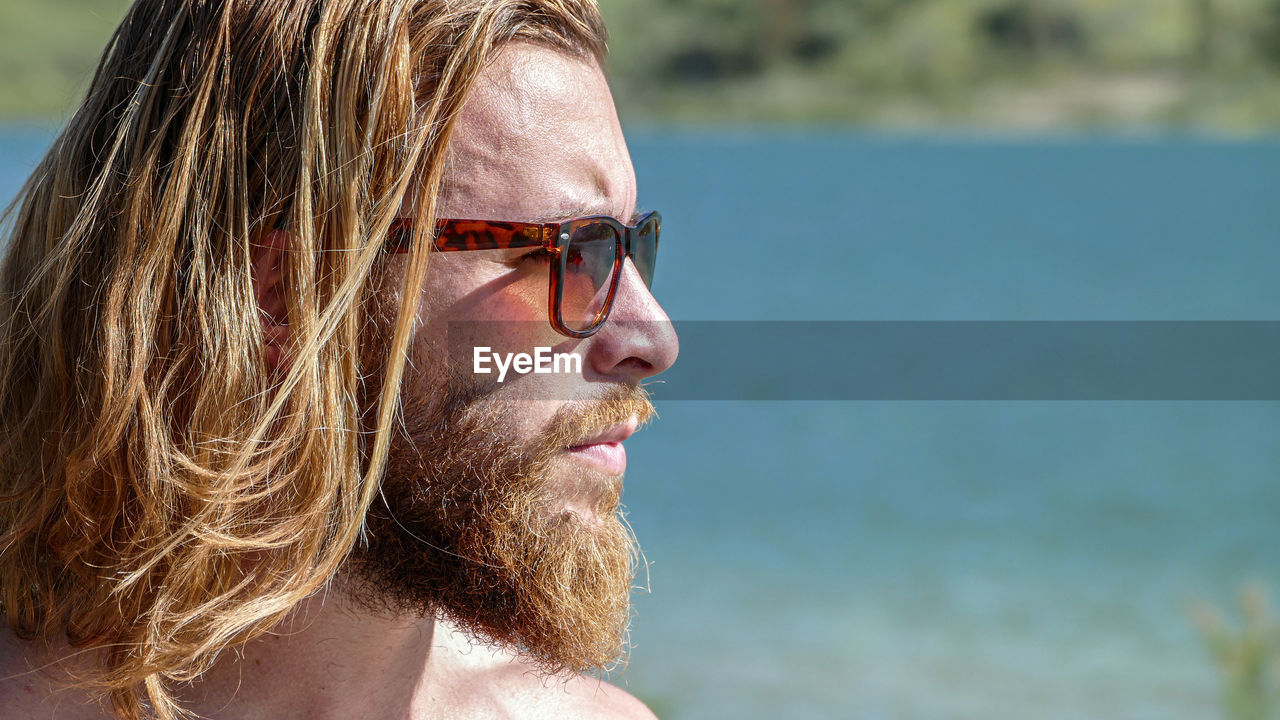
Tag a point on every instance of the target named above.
point(638, 340)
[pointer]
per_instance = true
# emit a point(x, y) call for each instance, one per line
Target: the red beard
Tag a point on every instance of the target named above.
point(472, 525)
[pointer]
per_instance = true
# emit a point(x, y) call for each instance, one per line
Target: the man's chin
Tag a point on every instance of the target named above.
point(573, 593)
point(583, 490)
point(557, 589)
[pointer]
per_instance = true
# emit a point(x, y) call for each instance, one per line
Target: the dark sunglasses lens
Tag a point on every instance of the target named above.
point(645, 250)
point(586, 268)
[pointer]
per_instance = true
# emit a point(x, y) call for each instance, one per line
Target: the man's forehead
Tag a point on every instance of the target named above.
point(538, 140)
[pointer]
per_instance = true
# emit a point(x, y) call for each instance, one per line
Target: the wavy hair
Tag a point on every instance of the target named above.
point(163, 494)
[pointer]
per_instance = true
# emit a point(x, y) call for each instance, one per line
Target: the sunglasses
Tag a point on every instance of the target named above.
point(586, 256)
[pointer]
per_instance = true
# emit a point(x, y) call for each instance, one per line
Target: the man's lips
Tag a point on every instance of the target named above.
point(605, 449)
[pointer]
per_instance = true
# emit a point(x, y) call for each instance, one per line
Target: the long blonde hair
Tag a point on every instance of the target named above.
point(162, 495)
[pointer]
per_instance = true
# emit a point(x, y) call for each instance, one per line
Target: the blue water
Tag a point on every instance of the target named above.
point(938, 560)
point(952, 560)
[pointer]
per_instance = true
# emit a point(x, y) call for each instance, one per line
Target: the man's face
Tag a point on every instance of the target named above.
point(501, 499)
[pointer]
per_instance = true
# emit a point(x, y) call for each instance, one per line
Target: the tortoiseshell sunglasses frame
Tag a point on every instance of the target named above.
point(457, 235)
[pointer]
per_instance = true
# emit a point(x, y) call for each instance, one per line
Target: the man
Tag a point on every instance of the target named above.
point(244, 472)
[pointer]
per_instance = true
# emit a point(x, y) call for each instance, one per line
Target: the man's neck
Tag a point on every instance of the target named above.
point(324, 661)
point(332, 661)
point(327, 661)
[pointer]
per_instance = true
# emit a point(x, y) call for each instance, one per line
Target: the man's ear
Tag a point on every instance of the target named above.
point(268, 289)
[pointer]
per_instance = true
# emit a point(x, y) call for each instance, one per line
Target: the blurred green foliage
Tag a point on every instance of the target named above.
point(1246, 653)
point(976, 63)
point(48, 50)
point(895, 63)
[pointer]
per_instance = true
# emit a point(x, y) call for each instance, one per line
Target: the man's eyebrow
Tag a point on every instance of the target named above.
point(583, 211)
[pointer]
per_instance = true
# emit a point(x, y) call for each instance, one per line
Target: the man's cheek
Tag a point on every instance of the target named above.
point(512, 339)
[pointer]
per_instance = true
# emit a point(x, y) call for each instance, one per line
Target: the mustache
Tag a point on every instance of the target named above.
point(578, 422)
point(482, 413)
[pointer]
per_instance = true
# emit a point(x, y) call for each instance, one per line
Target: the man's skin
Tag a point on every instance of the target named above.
point(539, 138)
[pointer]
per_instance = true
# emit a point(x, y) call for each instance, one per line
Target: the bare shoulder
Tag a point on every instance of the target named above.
point(613, 701)
point(496, 682)
point(580, 697)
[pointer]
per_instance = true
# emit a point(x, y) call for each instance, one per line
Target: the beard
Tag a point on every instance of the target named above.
point(473, 526)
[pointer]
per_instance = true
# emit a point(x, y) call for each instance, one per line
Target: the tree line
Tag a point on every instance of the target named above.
point(857, 59)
